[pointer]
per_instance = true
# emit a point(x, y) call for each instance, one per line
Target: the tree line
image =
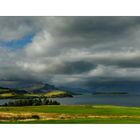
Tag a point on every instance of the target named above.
point(32, 102)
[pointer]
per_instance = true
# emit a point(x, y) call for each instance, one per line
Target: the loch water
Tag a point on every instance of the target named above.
point(120, 100)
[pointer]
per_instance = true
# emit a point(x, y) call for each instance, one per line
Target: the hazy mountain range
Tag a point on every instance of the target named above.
point(39, 87)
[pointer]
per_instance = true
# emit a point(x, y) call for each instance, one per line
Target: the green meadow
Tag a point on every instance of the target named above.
point(60, 114)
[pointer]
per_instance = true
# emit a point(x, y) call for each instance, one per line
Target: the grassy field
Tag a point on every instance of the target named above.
point(101, 114)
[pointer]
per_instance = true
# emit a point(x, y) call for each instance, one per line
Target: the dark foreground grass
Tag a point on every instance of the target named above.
point(81, 121)
point(100, 110)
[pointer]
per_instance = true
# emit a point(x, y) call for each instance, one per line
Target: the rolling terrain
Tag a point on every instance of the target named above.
point(33, 91)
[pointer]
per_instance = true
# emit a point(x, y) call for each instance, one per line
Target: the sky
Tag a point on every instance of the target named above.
point(70, 50)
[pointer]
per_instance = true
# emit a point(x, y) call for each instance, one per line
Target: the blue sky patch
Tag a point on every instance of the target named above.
point(17, 44)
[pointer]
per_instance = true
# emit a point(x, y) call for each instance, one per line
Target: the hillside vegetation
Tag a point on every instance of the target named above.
point(6, 93)
point(56, 93)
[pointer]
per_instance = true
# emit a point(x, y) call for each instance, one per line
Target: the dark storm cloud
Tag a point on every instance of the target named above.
point(77, 67)
point(71, 49)
point(91, 30)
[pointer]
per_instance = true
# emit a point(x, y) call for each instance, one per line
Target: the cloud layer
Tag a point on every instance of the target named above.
point(69, 50)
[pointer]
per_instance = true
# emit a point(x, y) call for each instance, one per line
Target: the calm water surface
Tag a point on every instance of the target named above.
point(124, 100)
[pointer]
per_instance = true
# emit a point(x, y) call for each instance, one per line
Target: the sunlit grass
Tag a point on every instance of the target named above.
point(56, 93)
point(75, 114)
point(7, 95)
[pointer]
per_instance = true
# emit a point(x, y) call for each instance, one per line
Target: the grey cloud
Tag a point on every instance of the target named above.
point(77, 67)
point(71, 49)
point(14, 28)
point(90, 30)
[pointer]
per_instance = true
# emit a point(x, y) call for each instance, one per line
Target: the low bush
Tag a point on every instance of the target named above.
point(32, 102)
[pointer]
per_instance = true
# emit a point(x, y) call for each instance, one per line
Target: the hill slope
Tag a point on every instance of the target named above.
point(33, 91)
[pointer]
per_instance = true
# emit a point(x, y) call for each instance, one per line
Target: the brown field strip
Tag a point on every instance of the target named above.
point(24, 116)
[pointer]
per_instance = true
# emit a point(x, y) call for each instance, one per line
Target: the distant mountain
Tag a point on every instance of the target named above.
point(32, 87)
point(129, 87)
point(74, 90)
point(92, 87)
point(106, 87)
point(40, 88)
point(34, 90)
point(8, 90)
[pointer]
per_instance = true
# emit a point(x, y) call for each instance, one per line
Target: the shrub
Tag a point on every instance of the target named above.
point(32, 102)
point(35, 117)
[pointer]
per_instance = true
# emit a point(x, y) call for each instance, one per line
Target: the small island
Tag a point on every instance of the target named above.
point(110, 93)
